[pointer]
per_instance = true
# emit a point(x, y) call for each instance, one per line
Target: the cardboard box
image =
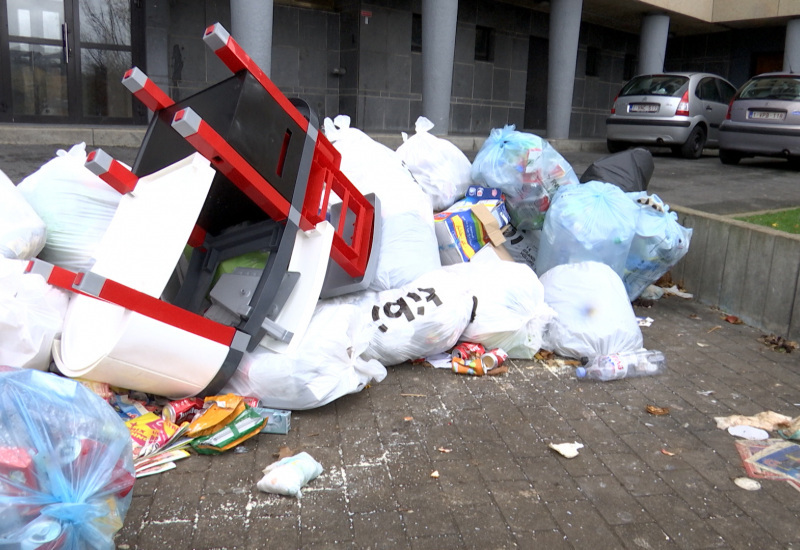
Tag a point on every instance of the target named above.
point(470, 224)
point(278, 420)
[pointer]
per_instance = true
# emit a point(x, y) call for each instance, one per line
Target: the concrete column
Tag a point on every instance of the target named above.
point(438, 50)
point(565, 26)
point(791, 50)
point(653, 43)
point(251, 27)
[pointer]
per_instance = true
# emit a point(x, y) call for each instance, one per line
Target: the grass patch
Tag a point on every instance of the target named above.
point(785, 220)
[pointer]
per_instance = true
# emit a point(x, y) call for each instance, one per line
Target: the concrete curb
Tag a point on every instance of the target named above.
point(746, 270)
point(93, 136)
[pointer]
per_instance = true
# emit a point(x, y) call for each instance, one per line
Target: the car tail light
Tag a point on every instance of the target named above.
point(683, 105)
point(614, 104)
point(730, 107)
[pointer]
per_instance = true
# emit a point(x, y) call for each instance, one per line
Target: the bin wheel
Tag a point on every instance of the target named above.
point(726, 156)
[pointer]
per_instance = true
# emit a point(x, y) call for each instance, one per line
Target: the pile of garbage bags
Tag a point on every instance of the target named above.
point(511, 251)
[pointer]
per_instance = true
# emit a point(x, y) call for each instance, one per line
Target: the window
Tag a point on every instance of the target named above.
point(629, 66)
point(726, 90)
point(416, 32)
point(707, 90)
point(592, 61)
point(484, 44)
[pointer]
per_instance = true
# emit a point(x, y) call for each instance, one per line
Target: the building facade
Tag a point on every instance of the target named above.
point(550, 67)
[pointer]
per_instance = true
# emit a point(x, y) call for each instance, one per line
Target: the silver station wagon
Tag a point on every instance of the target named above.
point(682, 111)
point(763, 120)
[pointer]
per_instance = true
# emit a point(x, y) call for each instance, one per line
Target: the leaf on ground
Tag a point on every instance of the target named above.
point(283, 452)
point(778, 343)
point(733, 319)
point(657, 411)
point(497, 370)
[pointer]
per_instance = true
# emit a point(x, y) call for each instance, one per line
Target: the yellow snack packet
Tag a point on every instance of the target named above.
point(221, 411)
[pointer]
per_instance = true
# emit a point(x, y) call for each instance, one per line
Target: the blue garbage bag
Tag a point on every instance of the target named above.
point(659, 243)
point(66, 464)
point(595, 222)
point(527, 169)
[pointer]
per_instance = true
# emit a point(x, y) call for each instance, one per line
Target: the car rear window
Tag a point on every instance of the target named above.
point(773, 87)
point(666, 85)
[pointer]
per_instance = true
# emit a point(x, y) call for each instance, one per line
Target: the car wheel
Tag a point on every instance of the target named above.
point(726, 156)
point(693, 148)
point(615, 146)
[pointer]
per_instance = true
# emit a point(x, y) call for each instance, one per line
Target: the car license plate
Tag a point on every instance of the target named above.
point(768, 115)
point(643, 108)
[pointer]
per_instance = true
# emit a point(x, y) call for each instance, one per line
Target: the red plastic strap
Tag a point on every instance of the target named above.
point(159, 310)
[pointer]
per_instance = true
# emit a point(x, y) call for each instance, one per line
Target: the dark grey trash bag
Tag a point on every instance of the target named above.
point(630, 170)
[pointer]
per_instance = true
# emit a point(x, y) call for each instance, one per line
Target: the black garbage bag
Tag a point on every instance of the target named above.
point(630, 170)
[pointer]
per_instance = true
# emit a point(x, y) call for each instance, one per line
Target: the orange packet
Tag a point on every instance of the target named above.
point(222, 410)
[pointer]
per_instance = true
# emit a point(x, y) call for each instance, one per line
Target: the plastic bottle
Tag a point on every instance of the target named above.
point(621, 365)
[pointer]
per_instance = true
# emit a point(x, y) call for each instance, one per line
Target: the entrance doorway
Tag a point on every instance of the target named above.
point(61, 61)
point(536, 86)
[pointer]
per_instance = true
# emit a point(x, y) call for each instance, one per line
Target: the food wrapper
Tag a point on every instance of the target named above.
point(246, 424)
point(150, 429)
point(220, 411)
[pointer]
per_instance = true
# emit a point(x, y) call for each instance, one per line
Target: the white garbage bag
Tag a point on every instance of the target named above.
point(442, 169)
point(325, 367)
point(417, 320)
point(510, 310)
point(408, 246)
point(75, 205)
point(31, 315)
point(22, 231)
point(593, 314)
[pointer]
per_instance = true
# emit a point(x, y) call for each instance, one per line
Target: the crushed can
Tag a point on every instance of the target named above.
point(465, 350)
point(493, 358)
point(182, 410)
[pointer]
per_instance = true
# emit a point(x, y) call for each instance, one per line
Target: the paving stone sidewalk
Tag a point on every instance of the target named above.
point(640, 481)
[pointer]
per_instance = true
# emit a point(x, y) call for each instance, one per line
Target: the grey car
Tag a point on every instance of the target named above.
point(681, 110)
point(763, 120)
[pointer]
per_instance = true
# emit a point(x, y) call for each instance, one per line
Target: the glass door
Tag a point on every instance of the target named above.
point(63, 60)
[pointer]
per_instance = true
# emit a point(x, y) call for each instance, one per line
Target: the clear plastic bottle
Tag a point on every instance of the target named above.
point(623, 365)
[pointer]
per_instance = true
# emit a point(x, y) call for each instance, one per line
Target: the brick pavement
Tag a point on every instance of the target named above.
point(500, 486)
